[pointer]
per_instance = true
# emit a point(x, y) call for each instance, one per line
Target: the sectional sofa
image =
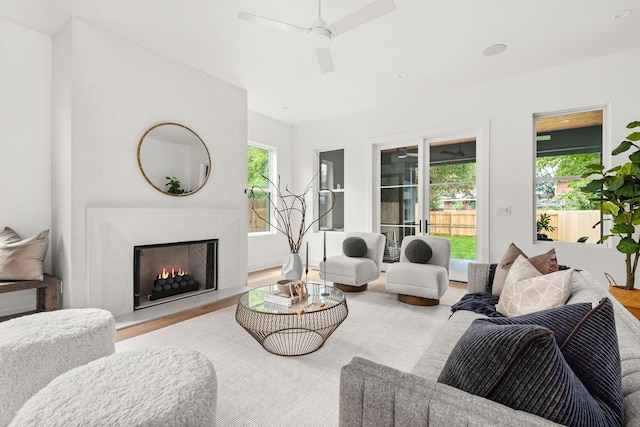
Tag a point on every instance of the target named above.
point(373, 395)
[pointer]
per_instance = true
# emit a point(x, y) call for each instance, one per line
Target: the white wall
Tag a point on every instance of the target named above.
point(269, 249)
point(25, 142)
point(107, 92)
point(509, 105)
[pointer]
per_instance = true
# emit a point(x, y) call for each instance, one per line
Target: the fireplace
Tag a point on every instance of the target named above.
point(169, 271)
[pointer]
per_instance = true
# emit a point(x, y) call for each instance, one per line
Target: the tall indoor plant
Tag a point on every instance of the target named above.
point(618, 190)
point(289, 218)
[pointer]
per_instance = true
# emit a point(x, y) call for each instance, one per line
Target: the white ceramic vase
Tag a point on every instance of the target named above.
point(292, 267)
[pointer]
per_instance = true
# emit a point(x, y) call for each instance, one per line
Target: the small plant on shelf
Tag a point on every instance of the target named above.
point(174, 186)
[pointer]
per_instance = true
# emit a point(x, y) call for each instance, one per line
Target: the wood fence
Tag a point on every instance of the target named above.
point(452, 223)
point(572, 225)
point(569, 225)
point(255, 223)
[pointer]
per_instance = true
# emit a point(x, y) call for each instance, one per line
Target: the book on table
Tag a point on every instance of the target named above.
point(281, 297)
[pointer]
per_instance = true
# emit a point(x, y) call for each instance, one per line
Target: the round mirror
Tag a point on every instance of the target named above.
point(174, 159)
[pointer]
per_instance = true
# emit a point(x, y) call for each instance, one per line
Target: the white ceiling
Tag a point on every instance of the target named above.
point(436, 45)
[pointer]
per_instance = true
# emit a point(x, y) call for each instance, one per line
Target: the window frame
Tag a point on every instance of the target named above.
point(604, 156)
point(318, 185)
point(273, 176)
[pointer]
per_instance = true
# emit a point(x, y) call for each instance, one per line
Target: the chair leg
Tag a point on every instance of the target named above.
point(410, 299)
point(349, 288)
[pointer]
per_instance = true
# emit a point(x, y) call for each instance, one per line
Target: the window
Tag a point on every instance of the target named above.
point(260, 166)
point(331, 176)
point(565, 144)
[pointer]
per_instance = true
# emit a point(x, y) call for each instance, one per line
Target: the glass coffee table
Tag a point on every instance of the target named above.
point(282, 330)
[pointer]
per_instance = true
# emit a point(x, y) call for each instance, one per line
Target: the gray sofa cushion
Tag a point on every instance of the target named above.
point(354, 247)
point(418, 251)
point(517, 362)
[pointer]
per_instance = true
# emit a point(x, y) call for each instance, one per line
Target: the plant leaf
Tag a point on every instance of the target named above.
point(629, 189)
point(626, 169)
point(628, 246)
point(635, 136)
point(635, 157)
point(624, 146)
point(593, 186)
point(616, 184)
point(623, 228)
point(632, 125)
point(609, 208)
point(595, 167)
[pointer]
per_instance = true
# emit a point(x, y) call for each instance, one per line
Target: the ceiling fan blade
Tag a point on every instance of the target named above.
point(325, 60)
point(271, 22)
point(362, 16)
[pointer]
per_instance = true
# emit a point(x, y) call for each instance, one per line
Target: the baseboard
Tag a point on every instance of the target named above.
point(17, 310)
point(264, 265)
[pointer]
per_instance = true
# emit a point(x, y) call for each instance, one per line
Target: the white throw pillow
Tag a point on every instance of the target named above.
point(526, 290)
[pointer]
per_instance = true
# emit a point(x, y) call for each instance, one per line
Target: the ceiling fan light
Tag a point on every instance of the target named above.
point(320, 38)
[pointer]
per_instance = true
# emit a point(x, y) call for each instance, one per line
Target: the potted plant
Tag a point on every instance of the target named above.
point(618, 190)
point(289, 218)
point(544, 224)
point(174, 185)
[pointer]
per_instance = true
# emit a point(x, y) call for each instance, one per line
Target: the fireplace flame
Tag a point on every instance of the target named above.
point(166, 274)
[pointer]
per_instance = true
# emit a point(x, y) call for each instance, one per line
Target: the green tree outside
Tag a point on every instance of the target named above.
point(565, 166)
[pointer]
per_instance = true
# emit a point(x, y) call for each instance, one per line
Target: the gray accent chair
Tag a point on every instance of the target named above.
point(353, 274)
point(421, 284)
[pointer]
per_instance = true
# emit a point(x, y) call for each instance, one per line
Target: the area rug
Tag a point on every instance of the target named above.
point(257, 388)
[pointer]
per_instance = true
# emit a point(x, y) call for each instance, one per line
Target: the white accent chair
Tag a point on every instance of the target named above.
point(353, 274)
point(421, 284)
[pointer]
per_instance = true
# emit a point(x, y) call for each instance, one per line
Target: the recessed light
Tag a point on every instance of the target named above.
point(623, 14)
point(494, 49)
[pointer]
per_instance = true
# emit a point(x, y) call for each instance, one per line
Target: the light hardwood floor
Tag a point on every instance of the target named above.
point(257, 279)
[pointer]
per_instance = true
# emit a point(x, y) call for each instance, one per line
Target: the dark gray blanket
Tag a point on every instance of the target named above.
point(479, 302)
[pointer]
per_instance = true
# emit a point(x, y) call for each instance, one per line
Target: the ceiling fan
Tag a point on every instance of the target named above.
point(459, 153)
point(320, 34)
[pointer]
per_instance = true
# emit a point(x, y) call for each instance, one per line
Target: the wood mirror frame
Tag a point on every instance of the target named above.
point(174, 159)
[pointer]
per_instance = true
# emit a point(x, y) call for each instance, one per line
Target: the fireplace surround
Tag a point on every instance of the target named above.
point(113, 232)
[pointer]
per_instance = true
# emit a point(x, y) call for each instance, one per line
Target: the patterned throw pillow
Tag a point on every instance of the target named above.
point(354, 247)
point(545, 263)
point(526, 290)
point(517, 362)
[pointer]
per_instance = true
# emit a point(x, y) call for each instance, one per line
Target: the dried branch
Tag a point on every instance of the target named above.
point(291, 207)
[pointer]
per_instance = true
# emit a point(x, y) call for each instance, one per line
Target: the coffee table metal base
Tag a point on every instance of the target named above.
point(293, 342)
point(285, 332)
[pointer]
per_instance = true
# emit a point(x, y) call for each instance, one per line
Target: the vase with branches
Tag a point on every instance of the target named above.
point(289, 212)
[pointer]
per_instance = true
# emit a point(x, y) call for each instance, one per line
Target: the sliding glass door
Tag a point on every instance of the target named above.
point(430, 188)
point(399, 197)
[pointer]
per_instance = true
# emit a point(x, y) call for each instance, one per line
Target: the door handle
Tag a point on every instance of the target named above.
point(426, 226)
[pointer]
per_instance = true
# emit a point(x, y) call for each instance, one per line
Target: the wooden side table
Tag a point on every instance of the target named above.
point(46, 291)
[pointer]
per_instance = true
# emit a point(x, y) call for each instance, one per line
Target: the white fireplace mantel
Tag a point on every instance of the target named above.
point(113, 232)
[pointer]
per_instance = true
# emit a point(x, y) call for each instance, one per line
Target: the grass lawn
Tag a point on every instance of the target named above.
point(462, 247)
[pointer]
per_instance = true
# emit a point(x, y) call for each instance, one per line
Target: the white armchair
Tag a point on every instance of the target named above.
point(418, 282)
point(356, 267)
